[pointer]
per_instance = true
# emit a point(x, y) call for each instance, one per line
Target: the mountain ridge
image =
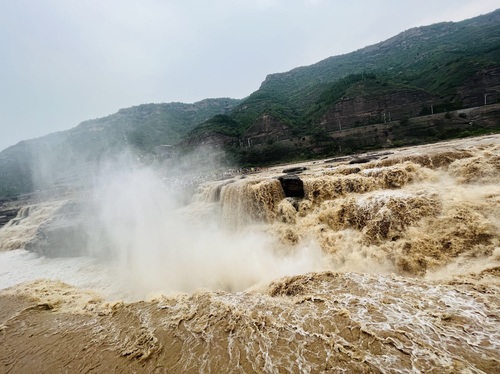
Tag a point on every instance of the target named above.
point(437, 60)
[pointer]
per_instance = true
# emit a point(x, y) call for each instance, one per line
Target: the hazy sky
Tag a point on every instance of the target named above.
point(65, 61)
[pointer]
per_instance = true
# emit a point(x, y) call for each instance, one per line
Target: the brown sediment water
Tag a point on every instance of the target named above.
point(315, 322)
point(20, 230)
point(408, 280)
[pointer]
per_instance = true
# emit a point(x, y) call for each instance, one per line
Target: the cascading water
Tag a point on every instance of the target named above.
point(386, 266)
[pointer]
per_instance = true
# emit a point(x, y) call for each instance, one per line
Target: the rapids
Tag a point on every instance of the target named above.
point(390, 265)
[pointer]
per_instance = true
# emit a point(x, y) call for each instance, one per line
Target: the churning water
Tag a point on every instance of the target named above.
point(387, 266)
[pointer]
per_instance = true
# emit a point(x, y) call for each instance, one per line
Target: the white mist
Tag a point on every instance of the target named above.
point(156, 249)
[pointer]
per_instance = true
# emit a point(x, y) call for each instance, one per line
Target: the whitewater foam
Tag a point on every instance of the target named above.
point(411, 242)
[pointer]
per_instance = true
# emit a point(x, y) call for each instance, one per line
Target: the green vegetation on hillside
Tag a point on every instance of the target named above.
point(437, 59)
point(146, 126)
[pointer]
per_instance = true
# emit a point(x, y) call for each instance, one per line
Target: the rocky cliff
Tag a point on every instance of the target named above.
point(266, 128)
point(364, 110)
point(481, 88)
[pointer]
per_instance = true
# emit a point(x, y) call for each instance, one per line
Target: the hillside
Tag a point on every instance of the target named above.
point(50, 160)
point(424, 70)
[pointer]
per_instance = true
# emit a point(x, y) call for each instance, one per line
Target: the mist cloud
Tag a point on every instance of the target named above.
point(153, 246)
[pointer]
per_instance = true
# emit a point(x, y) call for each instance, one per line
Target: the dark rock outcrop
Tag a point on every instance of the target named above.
point(295, 170)
point(7, 214)
point(362, 160)
point(292, 186)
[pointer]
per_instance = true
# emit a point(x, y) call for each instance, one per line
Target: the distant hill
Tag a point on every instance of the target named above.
point(43, 162)
point(437, 68)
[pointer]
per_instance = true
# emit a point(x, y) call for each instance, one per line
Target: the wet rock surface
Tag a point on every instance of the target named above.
point(292, 186)
point(6, 214)
point(294, 170)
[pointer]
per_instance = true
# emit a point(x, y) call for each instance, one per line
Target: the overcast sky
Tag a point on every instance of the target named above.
point(65, 61)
